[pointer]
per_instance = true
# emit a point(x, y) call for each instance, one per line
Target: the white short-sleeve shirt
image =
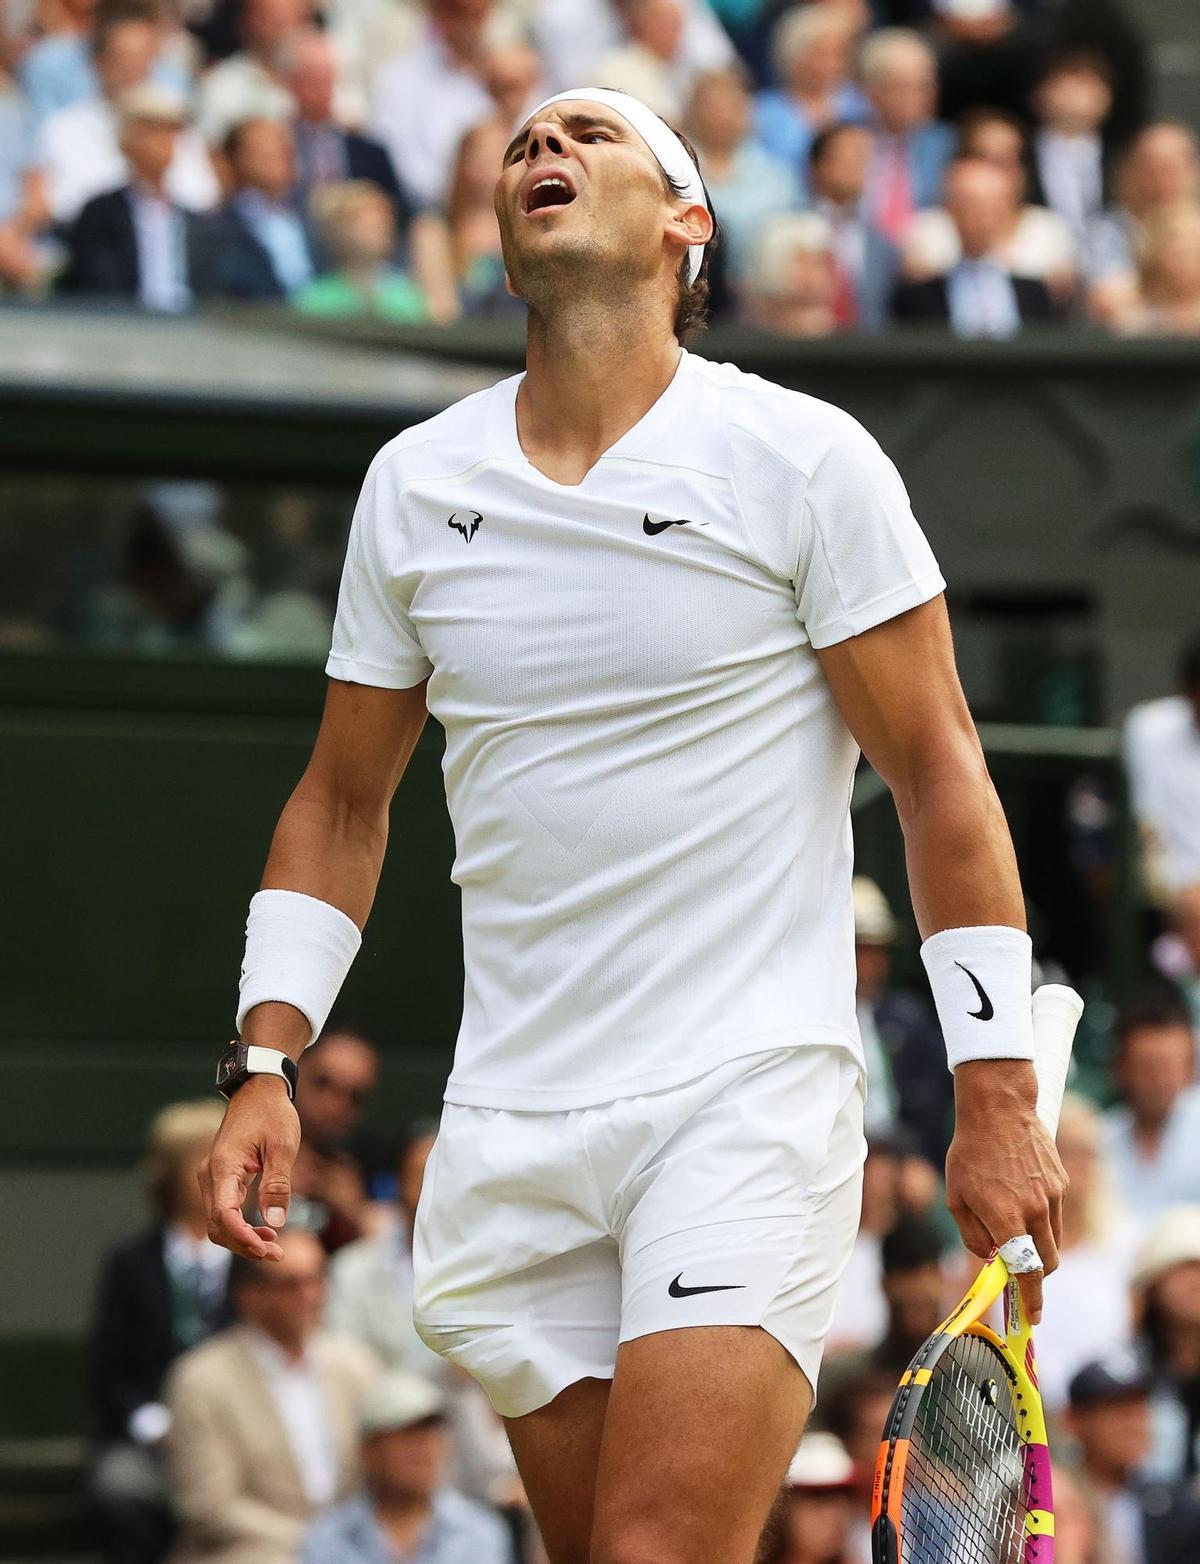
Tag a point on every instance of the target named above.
point(647, 776)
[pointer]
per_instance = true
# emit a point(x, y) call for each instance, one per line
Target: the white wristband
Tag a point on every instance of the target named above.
point(982, 981)
point(298, 952)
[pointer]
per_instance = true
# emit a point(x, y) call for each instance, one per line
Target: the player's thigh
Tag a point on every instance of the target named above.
point(557, 1450)
point(701, 1426)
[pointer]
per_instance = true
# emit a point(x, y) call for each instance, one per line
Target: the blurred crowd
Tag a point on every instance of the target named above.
point(978, 164)
point(289, 1414)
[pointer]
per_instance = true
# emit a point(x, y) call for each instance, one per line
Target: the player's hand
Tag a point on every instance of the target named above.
point(260, 1135)
point(1003, 1175)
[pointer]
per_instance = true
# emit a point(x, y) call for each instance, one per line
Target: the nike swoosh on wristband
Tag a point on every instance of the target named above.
point(986, 1010)
point(676, 1291)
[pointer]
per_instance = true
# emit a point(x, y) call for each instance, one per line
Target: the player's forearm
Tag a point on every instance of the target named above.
point(325, 847)
point(962, 870)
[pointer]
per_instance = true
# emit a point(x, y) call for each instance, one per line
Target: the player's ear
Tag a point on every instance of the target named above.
point(691, 224)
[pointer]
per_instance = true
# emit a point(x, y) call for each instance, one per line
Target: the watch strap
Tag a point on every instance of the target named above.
point(242, 1060)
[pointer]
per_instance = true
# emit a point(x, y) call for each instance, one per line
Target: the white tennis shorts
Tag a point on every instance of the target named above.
point(545, 1239)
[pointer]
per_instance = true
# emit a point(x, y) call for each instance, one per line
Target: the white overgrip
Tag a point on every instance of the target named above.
point(1056, 1013)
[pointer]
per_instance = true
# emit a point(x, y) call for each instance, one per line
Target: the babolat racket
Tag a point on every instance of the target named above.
point(963, 1473)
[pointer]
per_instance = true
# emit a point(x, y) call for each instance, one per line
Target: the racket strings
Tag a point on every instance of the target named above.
point(963, 1497)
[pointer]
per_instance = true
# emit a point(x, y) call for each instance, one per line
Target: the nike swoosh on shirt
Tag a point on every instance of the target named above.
point(653, 528)
point(986, 1010)
point(676, 1291)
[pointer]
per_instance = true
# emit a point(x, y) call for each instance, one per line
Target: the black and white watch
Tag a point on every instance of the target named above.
point(242, 1060)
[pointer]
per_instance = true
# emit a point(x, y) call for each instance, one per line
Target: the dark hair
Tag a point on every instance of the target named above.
point(1189, 666)
point(981, 114)
point(110, 17)
point(1075, 62)
point(824, 139)
point(340, 1024)
point(691, 306)
point(1156, 1004)
point(843, 1403)
point(911, 1245)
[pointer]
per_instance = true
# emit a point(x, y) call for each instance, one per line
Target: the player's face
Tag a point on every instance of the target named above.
point(580, 189)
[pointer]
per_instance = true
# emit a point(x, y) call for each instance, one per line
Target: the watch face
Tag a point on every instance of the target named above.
point(229, 1064)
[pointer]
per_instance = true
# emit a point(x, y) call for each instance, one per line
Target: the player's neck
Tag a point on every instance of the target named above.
point(588, 381)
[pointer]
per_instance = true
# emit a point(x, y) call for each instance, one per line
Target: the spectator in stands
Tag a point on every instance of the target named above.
point(1166, 1282)
point(1160, 169)
point(265, 1416)
point(426, 99)
point(865, 260)
point(912, 149)
point(1072, 102)
point(746, 184)
point(1176, 952)
point(370, 1300)
point(24, 213)
point(914, 1290)
point(160, 1293)
point(649, 63)
point(370, 1280)
point(793, 287)
point(326, 152)
point(572, 35)
point(986, 54)
point(1150, 1140)
point(1089, 1314)
point(857, 1414)
point(248, 85)
point(1109, 1420)
point(1039, 244)
point(811, 54)
point(1161, 744)
point(860, 1312)
point(474, 260)
point(56, 70)
point(407, 1511)
point(262, 248)
point(356, 227)
point(337, 1076)
point(980, 296)
point(816, 1518)
point(1168, 294)
point(78, 147)
point(138, 242)
point(906, 1058)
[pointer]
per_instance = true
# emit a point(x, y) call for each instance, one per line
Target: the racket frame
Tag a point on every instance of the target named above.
point(1016, 1354)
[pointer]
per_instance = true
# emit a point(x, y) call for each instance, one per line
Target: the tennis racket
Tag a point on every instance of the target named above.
point(963, 1473)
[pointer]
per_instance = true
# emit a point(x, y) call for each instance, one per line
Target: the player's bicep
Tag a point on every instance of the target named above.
point(898, 691)
point(367, 737)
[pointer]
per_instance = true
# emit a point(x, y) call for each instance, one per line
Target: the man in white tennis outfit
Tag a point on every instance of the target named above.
point(658, 605)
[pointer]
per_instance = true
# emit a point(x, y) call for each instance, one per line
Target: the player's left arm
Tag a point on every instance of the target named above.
point(897, 688)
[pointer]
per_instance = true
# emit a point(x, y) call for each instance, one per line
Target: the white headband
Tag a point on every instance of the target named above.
point(670, 152)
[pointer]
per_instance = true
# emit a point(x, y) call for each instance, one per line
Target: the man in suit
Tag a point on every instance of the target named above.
point(137, 242)
point(261, 246)
point(978, 297)
point(867, 261)
point(1071, 156)
point(911, 149)
point(326, 152)
point(160, 1292)
point(265, 1416)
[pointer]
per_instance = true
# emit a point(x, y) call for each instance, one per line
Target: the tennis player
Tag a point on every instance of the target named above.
point(658, 605)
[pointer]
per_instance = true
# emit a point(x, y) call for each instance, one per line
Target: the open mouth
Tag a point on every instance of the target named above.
point(550, 191)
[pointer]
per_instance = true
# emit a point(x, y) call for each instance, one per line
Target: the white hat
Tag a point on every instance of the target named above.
point(873, 921)
point(822, 1461)
point(152, 104)
point(398, 1400)
point(1173, 1240)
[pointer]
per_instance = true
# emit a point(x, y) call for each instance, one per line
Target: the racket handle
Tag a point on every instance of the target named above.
point(1056, 1013)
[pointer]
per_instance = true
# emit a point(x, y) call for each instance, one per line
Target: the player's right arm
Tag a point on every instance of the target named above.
point(329, 844)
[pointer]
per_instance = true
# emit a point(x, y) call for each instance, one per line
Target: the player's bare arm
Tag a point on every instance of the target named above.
point(898, 690)
point(329, 844)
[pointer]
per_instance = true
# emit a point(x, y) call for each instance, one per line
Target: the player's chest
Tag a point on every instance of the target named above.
point(634, 577)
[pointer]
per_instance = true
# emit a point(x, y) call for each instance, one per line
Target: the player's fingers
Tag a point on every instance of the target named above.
point(275, 1186)
point(1041, 1230)
point(973, 1232)
point(227, 1224)
point(1056, 1219)
point(1030, 1283)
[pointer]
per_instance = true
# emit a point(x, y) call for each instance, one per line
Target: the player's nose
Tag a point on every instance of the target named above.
point(545, 137)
